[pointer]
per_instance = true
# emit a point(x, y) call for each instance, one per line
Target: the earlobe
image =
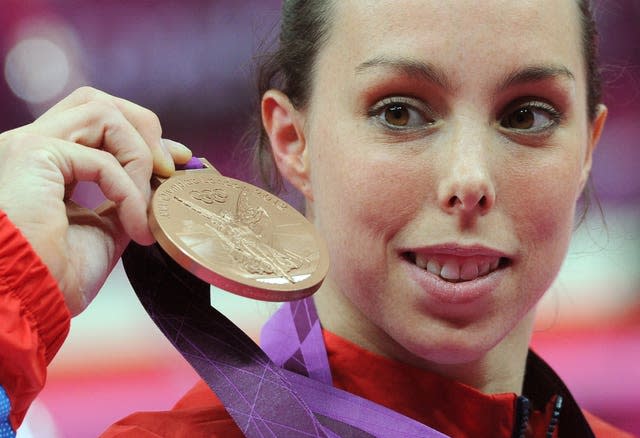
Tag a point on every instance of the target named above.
point(284, 124)
point(595, 132)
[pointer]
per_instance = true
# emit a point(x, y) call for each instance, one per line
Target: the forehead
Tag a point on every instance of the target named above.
point(466, 36)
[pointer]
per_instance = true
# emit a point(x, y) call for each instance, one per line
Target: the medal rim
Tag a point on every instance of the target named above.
point(239, 285)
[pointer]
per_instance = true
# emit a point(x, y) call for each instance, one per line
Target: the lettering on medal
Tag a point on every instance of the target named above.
point(168, 192)
point(214, 193)
point(274, 200)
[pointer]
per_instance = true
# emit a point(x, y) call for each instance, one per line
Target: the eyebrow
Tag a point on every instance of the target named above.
point(410, 67)
point(535, 73)
point(429, 72)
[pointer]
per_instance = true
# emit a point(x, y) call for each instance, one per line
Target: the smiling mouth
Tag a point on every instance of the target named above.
point(457, 269)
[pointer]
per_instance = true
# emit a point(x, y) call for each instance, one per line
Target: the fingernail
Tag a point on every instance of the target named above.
point(166, 167)
point(165, 150)
point(175, 147)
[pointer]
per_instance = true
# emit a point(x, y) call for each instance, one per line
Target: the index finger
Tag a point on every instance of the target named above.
point(144, 121)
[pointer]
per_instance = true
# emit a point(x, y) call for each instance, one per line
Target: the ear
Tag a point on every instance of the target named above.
point(595, 132)
point(284, 124)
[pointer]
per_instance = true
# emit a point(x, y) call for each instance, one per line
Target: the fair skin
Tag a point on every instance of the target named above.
point(446, 212)
point(89, 136)
point(407, 156)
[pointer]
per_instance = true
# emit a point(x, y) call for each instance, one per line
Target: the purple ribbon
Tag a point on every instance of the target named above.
point(287, 395)
point(254, 391)
point(293, 340)
point(193, 163)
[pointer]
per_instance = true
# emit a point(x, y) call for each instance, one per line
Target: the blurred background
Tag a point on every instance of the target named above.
point(191, 62)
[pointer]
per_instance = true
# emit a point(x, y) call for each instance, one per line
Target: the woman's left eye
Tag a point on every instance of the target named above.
point(532, 117)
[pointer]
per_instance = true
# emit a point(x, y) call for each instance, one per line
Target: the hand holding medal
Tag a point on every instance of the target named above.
point(90, 136)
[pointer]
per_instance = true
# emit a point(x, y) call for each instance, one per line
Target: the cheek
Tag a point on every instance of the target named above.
point(546, 200)
point(359, 212)
point(542, 214)
point(355, 186)
point(361, 202)
point(364, 198)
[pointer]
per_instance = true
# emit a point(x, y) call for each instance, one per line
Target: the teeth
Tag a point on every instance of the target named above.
point(450, 271)
point(434, 267)
point(469, 271)
point(454, 270)
point(421, 262)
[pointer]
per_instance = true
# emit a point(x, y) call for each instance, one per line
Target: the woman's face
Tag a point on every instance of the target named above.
point(447, 145)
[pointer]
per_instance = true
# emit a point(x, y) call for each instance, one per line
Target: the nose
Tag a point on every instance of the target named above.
point(467, 187)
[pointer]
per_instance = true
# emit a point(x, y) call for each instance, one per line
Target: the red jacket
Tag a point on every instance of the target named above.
point(34, 322)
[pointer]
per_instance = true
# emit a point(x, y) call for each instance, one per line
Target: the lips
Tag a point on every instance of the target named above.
point(457, 280)
point(457, 264)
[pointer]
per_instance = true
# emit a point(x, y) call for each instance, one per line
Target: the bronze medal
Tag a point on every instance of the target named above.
point(237, 236)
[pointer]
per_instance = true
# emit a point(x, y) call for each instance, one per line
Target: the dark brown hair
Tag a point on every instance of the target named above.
point(303, 31)
point(590, 54)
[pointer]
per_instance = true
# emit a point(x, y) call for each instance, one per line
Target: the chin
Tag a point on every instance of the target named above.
point(453, 355)
point(440, 344)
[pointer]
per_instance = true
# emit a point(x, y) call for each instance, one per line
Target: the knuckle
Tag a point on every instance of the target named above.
point(146, 159)
point(146, 155)
point(152, 121)
point(95, 100)
point(106, 155)
point(102, 106)
point(86, 93)
point(108, 158)
point(141, 160)
point(104, 114)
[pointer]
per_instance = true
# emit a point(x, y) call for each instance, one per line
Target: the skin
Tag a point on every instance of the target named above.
point(459, 175)
point(88, 136)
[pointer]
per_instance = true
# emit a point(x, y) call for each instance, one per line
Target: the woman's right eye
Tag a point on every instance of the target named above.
point(398, 114)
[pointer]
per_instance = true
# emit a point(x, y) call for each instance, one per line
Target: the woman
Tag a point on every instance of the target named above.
point(442, 167)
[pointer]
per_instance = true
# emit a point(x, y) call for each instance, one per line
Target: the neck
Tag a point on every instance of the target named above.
point(499, 370)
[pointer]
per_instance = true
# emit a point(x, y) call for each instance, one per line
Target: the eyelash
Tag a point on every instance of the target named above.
point(414, 106)
point(411, 104)
point(555, 116)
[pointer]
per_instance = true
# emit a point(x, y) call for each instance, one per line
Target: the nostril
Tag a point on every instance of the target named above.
point(469, 204)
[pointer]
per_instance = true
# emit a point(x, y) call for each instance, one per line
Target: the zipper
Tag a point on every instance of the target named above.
point(523, 411)
point(555, 416)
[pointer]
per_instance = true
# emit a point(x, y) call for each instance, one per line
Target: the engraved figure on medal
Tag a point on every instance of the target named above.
point(237, 236)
